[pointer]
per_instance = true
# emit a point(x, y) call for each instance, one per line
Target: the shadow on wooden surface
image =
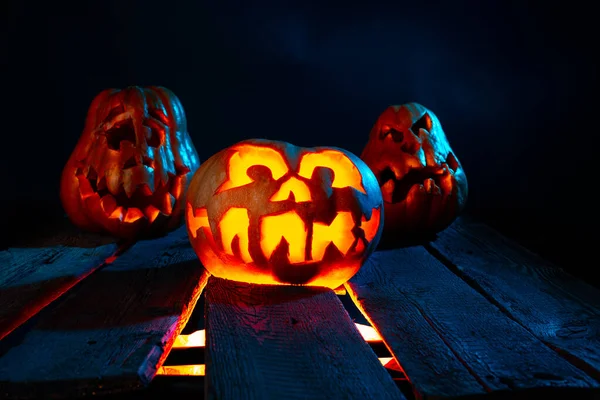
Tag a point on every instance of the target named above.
point(559, 309)
point(111, 332)
point(58, 232)
point(275, 341)
point(32, 278)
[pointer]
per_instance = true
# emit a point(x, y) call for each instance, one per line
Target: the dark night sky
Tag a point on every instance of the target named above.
point(513, 83)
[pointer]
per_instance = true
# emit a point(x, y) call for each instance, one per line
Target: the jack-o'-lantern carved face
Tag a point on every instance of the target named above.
point(129, 172)
point(422, 182)
point(269, 212)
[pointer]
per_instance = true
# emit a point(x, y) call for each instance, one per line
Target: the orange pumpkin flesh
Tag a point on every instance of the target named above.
point(423, 184)
point(269, 212)
point(130, 169)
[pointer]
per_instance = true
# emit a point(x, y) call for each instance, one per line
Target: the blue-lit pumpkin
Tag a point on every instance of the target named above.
point(130, 170)
point(423, 183)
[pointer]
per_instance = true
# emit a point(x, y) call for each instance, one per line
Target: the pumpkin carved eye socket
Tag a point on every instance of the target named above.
point(115, 112)
point(422, 123)
point(124, 131)
point(247, 157)
point(345, 173)
point(159, 115)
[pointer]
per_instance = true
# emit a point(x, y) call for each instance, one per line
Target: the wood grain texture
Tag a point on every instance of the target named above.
point(557, 308)
point(450, 340)
point(112, 331)
point(286, 342)
point(33, 277)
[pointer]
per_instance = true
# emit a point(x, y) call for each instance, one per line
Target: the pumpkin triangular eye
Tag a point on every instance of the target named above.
point(422, 123)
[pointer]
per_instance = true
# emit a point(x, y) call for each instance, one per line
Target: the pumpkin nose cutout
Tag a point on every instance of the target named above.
point(397, 136)
point(124, 131)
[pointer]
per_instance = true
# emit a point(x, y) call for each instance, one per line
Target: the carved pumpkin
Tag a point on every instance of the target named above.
point(129, 171)
point(422, 182)
point(269, 212)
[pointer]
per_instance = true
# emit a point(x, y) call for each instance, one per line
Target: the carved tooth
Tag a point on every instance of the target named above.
point(108, 203)
point(446, 180)
point(167, 203)
point(133, 214)
point(397, 172)
point(151, 212)
point(429, 184)
point(117, 213)
point(114, 180)
point(176, 186)
point(387, 190)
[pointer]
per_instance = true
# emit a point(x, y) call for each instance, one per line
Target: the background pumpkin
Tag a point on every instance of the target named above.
point(130, 169)
point(269, 212)
point(423, 184)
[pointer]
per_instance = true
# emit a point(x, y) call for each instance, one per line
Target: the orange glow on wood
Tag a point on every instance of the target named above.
point(293, 185)
point(288, 226)
point(344, 170)
point(200, 369)
point(371, 226)
point(340, 290)
point(339, 233)
point(182, 370)
point(368, 333)
point(194, 339)
point(196, 219)
point(247, 156)
point(198, 339)
point(235, 222)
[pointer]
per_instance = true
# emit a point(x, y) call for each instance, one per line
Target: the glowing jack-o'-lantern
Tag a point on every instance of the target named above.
point(422, 182)
point(269, 212)
point(129, 172)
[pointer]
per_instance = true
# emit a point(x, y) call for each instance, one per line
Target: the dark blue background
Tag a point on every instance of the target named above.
point(514, 84)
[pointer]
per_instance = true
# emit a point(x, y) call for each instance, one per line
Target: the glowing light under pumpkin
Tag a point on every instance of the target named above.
point(198, 339)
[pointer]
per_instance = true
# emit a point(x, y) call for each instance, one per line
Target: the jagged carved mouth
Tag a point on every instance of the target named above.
point(129, 200)
point(433, 180)
point(136, 191)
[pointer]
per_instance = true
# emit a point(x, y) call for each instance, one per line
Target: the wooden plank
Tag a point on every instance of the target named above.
point(559, 309)
point(112, 331)
point(286, 342)
point(33, 277)
point(449, 339)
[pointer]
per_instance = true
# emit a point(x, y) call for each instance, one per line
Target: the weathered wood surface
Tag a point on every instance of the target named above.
point(32, 277)
point(562, 311)
point(282, 342)
point(113, 330)
point(449, 339)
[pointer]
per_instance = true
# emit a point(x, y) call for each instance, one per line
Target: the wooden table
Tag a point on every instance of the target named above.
point(470, 315)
